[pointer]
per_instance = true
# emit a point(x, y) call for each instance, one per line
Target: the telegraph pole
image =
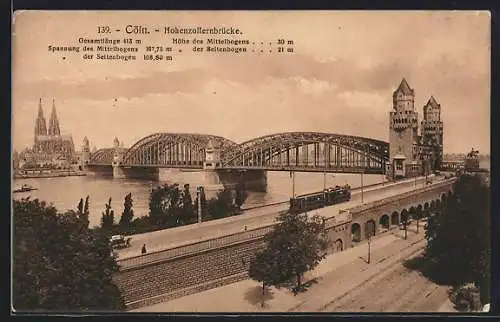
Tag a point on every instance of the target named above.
point(293, 184)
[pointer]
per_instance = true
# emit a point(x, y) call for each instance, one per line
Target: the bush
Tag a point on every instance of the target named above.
point(466, 298)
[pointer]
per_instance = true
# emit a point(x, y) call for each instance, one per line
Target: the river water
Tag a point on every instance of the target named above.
point(65, 192)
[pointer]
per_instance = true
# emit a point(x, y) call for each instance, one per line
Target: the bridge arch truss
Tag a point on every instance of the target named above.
point(102, 156)
point(309, 151)
point(184, 150)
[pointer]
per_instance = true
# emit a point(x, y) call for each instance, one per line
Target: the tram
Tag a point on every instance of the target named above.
point(317, 200)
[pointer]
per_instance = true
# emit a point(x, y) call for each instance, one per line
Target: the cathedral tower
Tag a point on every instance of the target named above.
point(54, 129)
point(403, 132)
point(432, 133)
point(40, 124)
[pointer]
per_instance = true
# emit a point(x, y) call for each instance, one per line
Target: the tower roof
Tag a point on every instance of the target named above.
point(404, 88)
point(40, 124)
point(432, 102)
point(54, 122)
point(40, 110)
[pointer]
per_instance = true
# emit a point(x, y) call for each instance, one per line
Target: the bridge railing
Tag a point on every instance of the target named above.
point(362, 208)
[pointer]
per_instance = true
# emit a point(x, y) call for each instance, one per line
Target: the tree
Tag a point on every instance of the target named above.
point(86, 212)
point(83, 210)
point(164, 205)
point(80, 207)
point(241, 195)
point(296, 245)
point(108, 217)
point(264, 269)
point(461, 235)
point(405, 222)
point(58, 263)
point(128, 212)
point(188, 213)
point(418, 216)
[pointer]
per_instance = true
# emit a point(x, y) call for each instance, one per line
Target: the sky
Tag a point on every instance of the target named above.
point(340, 78)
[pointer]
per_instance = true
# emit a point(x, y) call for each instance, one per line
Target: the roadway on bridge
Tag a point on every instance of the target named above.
point(254, 218)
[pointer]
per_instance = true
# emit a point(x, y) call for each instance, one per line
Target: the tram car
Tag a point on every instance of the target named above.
point(317, 200)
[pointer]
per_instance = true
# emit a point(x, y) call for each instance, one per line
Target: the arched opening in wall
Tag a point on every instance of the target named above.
point(370, 228)
point(443, 198)
point(413, 212)
point(356, 232)
point(395, 219)
point(439, 204)
point(405, 216)
point(432, 206)
point(384, 221)
point(420, 212)
point(339, 245)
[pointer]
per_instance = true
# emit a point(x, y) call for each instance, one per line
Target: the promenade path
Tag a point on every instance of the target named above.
point(255, 218)
point(344, 282)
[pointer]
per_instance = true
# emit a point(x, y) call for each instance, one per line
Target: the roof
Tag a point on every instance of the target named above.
point(54, 138)
point(404, 88)
point(432, 102)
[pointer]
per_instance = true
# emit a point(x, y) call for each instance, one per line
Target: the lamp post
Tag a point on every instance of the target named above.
point(369, 246)
point(198, 192)
point(362, 187)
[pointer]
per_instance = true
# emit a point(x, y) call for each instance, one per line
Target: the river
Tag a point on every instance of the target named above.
point(65, 192)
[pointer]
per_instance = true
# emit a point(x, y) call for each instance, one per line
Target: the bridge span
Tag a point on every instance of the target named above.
point(226, 246)
point(291, 151)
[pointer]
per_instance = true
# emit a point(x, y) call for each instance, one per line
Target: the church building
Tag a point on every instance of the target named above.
point(50, 148)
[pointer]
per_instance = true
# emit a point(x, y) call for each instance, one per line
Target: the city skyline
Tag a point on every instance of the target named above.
point(445, 55)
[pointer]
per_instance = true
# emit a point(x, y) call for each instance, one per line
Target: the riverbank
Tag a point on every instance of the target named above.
point(51, 174)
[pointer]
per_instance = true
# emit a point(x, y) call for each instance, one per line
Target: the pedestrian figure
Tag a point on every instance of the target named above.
point(245, 228)
point(143, 251)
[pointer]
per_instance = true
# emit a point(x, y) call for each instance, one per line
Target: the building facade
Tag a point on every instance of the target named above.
point(413, 152)
point(50, 148)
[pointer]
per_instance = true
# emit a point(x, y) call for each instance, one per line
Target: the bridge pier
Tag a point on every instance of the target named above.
point(252, 180)
point(140, 173)
point(99, 170)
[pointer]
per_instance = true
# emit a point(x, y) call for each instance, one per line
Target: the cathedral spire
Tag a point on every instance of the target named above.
point(54, 122)
point(40, 124)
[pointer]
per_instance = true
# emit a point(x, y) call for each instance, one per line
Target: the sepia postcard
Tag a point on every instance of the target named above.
point(251, 161)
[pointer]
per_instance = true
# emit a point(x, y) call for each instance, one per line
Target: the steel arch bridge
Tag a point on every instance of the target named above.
point(292, 151)
point(175, 150)
point(308, 152)
point(102, 157)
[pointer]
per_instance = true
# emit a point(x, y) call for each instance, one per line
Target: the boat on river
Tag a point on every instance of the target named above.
point(24, 188)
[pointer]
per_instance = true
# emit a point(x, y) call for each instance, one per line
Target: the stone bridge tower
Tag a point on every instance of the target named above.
point(117, 160)
point(85, 152)
point(432, 133)
point(403, 132)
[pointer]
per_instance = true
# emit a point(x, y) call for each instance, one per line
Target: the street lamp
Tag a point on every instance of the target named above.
point(369, 245)
point(199, 193)
point(362, 187)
